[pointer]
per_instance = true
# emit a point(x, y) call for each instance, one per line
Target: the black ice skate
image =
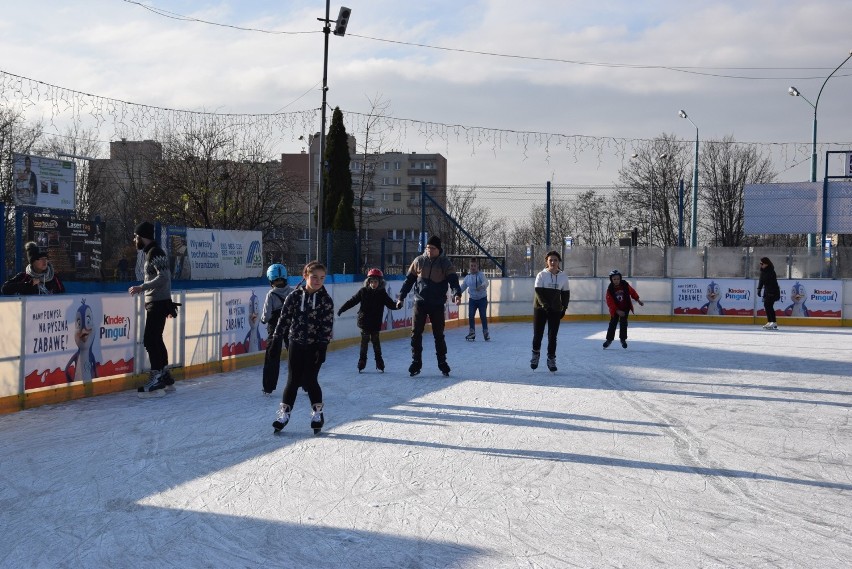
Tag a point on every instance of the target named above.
point(624, 344)
point(281, 418)
point(551, 363)
point(444, 367)
point(169, 381)
point(471, 336)
point(380, 364)
point(317, 419)
point(155, 387)
point(414, 368)
point(362, 363)
point(607, 343)
point(485, 335)
point(534, 360)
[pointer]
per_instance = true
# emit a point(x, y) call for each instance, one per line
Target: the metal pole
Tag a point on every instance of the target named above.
point(422, 216)
point(693, 232)
point(325, 31)
point(680, 214)
point(547, 219)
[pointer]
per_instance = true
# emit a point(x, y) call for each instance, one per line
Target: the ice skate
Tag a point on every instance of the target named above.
point(266, 393)
point(414, 368)
point(485, 335)
point(444, 367)
point(169, 381)
point(281, 418)
point(362, 363)
point(317, 418)
point(380, 364)
point(767, 326)
point(551, 363)
point(471, 336)
point(606, 344)
point(624, 344)
point(155, 387)
point(772, 326)
point(534, 360)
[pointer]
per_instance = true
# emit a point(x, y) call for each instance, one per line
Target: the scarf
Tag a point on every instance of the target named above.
point(42, 278)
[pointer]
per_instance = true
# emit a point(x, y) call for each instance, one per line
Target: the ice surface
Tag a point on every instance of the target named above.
point(698, 446)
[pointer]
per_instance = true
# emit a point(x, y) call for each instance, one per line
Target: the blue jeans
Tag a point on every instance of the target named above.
point(478, 305)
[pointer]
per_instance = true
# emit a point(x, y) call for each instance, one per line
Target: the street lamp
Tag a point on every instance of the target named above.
point(339, 30)
point(793, 92)
point(693, 230)
point(662, 156)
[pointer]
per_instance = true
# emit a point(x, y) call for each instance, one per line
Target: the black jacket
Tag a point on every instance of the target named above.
point(373, 302)
point(22, 283)
point(769, 284)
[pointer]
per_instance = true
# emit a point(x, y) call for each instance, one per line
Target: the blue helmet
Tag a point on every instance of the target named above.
point(276, 271)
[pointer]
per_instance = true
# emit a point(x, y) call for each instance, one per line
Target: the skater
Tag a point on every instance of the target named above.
point(477, 286)
point(305, 327)
point(619, 298)
point(37, 278)
point(157, 287)
point(373, 298)
point(768, 284)
point(431, 274)
point(550, 302)
point(277, 275)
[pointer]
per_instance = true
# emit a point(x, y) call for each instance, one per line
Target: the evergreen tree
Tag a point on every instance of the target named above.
point(338, 214)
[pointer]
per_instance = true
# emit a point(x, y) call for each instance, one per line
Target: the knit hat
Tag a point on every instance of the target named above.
point(33, 252)
point(435, 241)
point(145, 230)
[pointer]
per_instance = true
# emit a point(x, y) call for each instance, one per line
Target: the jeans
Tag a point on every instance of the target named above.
point(481, 306)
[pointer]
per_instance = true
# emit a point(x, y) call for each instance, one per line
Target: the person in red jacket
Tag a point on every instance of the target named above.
point(619, 299)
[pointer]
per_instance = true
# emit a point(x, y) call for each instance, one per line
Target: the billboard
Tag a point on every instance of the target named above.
point(43, 182)
point(221, 254)
point(74, 246)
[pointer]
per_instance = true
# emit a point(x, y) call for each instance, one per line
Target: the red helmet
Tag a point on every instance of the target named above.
point(375, 274)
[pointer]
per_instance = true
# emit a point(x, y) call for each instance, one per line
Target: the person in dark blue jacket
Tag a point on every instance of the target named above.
point(431, 275)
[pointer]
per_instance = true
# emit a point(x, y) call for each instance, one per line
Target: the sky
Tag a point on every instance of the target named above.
point(598, 78)
point(710, 446)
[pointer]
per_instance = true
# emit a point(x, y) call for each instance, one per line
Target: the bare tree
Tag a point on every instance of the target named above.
point(652, 180)
point(726, 168)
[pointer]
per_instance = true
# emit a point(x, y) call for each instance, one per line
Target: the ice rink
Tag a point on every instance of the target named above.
point(698, 446)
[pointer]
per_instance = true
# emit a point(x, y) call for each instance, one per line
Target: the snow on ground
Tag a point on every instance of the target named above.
point(698, 446)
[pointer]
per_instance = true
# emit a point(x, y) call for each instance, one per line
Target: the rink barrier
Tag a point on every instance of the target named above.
point(195, 338)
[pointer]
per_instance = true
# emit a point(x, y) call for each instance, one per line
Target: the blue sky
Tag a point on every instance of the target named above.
point(118, 49)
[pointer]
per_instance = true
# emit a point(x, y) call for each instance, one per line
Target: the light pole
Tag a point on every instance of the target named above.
point(795, 93)
point(339, 30)
point(662, 156)
point(693, 229)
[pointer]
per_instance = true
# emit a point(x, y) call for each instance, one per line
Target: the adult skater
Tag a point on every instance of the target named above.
point(768, 284)
point(157, 287)
point(550, 302)
point(373, 298)
point(431, 275)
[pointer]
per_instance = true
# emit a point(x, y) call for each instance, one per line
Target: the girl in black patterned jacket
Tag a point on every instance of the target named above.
point(305, 326)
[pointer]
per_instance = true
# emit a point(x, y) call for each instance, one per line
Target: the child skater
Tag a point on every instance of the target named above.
point(619, 299)
point(477, 296)
point(373, 298)
point(305, 327)
point(277, 275)
point(550, 301)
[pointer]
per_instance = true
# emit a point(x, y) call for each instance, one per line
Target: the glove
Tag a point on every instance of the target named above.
point(286, 343)
point(399, 304)
point(339, 312)
point(321, 354)
point(562, 315)
point(758, 294)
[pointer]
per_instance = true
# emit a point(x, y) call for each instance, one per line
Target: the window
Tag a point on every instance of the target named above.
point(386, 166)
point(397, 165)
point(397, 197)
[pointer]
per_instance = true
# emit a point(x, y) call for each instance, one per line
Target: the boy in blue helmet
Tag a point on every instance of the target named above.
point(277, 275)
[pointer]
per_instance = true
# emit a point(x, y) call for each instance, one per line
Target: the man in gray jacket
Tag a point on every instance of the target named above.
point(157, 287)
